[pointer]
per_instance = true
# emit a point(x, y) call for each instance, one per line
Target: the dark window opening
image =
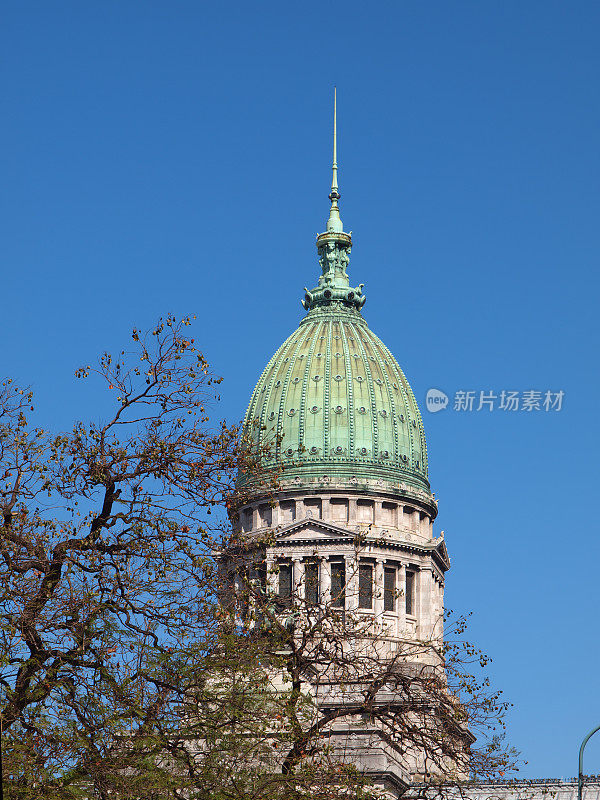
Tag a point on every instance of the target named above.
point(389, 589)
point(365, 586)
point(410, 593)
point(311, 579)
point(285, 583)
point(338, 584)
point(262, 576)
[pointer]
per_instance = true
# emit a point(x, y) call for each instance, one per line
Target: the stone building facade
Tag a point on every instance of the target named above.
point(343, 425)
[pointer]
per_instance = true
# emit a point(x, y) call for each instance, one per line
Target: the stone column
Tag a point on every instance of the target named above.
point(401, 599)
point(325, 573)
point(426, 527)
point(272, 577)
point(275, 515)
point(440, 619)
point(325, 508)
point(377, 515)
point(298, 577)
point(352, 511)
point(351, 563)
point(378, 588)
point(424, 600)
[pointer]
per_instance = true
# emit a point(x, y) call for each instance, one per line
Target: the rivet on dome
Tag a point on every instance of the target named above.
point(338, 378)
point(314, 409)
point(291, 412)
point(317, 378)
point(359, 378)
point(338, 410)
point(362, 410)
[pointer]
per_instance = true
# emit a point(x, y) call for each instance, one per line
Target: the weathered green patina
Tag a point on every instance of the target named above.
point(333, 401)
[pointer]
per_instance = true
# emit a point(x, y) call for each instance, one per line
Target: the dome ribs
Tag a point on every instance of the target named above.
point(358, 333)
point(284, 391)
point(349, 394)
point(305, 384)
point(381, 354)
point(410, 403)
point(327, 394)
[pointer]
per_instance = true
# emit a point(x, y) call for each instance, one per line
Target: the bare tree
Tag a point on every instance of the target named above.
point(129, 668)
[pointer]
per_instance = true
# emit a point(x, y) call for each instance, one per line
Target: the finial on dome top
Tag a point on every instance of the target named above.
point(334, 247)
point(334, 223)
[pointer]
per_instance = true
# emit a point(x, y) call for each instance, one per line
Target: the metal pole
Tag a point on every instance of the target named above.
point(580, 774)
point(1, 771)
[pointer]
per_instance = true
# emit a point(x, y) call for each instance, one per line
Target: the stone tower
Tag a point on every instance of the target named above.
point(344, 425)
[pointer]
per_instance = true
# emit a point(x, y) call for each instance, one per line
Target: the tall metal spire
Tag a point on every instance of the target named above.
point(334, 222)
point(334, 185)
point(333, 246)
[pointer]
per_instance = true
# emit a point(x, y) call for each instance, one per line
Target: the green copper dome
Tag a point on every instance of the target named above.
point(333, 403)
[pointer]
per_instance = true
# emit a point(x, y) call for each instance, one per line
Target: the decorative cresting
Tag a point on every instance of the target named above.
point(333, 402)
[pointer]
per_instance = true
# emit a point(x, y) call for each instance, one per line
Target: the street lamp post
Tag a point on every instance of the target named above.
point(580, 774)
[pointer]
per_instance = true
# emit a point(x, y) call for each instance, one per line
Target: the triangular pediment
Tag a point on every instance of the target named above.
point(442, 553)
point(311, 528)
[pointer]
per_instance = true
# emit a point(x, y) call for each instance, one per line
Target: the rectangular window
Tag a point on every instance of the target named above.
point(311, 577)
point(389, 589)
point(410, 593)
point(365, 586)
point(261, 572)
point(338, 584)
point(285, 582)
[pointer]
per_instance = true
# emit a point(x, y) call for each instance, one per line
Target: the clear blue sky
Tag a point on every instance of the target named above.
point(174, 156)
